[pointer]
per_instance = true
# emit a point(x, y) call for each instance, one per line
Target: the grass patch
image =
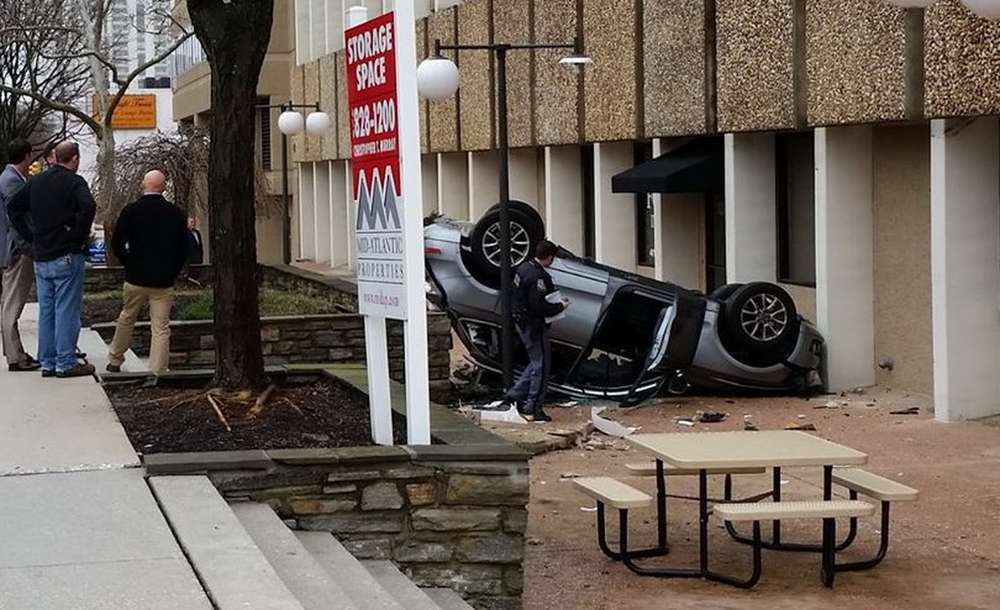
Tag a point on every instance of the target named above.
point(272, 303)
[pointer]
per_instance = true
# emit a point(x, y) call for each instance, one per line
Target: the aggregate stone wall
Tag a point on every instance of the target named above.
point(446, 524)
point(334, 338)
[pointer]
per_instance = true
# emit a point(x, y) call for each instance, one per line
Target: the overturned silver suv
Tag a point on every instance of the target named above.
point(625, 337)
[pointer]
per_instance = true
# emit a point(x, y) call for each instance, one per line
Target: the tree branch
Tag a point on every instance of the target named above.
point(125, 82)
point(58, 106)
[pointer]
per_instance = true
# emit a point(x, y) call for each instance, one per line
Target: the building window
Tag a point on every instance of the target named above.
point(589, 210)
point(264, 145)
point(644, 213)
point(796, 208)
point(715, 241)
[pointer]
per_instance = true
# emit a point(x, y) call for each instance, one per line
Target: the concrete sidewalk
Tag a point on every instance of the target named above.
point(80, 528)
point(57, 425)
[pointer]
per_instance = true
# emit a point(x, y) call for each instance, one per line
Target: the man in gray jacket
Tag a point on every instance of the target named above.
point(15, 260)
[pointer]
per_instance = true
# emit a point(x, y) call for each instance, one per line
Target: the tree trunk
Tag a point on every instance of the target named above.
point(235, 37)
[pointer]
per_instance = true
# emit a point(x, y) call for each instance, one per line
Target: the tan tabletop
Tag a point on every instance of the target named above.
point(700, 450)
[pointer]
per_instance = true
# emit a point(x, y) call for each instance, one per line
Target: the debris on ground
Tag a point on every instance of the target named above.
point(792, 425)
point(828, 405)
point(710, 417)
point(749, 426)
point(566, 476)
point(906, 411)
point(684, 422)
point(607, 426)
point(568, 404)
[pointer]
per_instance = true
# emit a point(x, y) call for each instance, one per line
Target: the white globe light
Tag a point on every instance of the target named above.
point(317, 123)
point(437, 78)
point(912, 3)
point(291, 123)
point(988, 9)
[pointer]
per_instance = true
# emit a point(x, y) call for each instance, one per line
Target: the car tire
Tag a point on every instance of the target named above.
point(760, 323)
point(722, 293)
point(526, 231)
point(523, 208)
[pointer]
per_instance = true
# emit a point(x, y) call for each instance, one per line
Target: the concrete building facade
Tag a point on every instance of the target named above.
point(858, 141)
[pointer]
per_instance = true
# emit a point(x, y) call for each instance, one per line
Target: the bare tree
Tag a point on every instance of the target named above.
point(183, 157)
point(235, 35)
point(84, 27)
point(29, 61)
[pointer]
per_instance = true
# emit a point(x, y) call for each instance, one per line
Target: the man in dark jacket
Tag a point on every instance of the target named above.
point(196, 248)
point(532, 301)
point(150, 239)
point(54, 212)
point(15, 261)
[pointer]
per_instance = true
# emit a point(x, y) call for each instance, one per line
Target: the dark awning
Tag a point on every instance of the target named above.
point(695, 167)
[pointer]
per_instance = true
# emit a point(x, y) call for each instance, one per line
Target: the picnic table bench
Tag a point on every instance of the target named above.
point(733, 453)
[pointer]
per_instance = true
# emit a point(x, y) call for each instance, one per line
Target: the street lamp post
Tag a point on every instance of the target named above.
point(290, 123)
point(438, 79)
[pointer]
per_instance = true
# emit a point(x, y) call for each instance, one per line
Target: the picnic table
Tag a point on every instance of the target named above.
point(716, 451)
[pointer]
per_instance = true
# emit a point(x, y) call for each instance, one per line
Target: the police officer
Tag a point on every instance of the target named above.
point(532, 286)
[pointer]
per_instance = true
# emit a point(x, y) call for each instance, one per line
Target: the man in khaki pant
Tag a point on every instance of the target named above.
point(150, 239)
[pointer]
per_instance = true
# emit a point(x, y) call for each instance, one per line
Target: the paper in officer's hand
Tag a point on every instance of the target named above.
point(556, 297)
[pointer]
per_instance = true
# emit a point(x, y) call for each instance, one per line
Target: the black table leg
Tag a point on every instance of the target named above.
point(703, 520)
point(661, 505)
point(776, 495)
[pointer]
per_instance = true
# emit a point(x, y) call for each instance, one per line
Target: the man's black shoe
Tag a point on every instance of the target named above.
point(113, 368)
point(24, 366)
point(541, 416)
point(80, 370)
point(48, 373)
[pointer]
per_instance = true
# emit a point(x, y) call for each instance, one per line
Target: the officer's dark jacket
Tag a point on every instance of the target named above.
point(532, 283)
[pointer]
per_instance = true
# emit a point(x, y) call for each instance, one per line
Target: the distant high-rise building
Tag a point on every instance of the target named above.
point(138, 30)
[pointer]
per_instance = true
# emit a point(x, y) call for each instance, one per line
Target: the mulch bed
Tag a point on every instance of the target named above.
point(307, 415)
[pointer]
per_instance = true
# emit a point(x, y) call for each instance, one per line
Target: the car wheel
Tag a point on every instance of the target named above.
point(724, 292)
point(526, 231)
point(523, 208)
point(761, 321)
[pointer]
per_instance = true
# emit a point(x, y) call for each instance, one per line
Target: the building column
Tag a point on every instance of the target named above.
point(965, 281)
point(307, 212)
point(679, 234)
point(350, 232)
point(845, 255)
point(751, 225)
point(322, 204)
point(429, 183)
point(340, 195)
point(484, 182)
point(453, 185)
point(564, 197)
point(524, 178)
point(614, 213)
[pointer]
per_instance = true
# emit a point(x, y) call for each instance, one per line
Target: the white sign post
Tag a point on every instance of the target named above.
point(385, 153)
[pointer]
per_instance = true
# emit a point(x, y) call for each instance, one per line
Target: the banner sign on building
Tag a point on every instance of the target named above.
point(375, 160)
point(132, 112)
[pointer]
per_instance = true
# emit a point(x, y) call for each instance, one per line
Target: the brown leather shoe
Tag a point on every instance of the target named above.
point(24, 366)
point(80, 370)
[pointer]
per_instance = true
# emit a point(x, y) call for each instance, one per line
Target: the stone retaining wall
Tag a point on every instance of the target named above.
point(332, 338)
point(300, 281)
point(449, 515)
point(110, 279)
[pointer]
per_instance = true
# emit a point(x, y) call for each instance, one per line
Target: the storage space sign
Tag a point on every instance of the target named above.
point(372, 103)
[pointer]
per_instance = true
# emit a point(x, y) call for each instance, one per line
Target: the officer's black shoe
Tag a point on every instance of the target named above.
point(540, 416)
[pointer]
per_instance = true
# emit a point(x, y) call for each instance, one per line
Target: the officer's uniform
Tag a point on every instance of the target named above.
point(532, 283)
